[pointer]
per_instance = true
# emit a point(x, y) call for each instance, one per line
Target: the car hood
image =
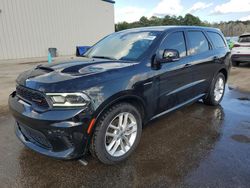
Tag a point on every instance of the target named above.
point(73, 75)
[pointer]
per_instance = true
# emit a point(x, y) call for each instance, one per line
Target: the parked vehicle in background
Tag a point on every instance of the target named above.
point(241, 50)
point(127, 79)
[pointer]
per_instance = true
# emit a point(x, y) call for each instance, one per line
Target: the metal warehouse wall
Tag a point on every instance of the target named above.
point(29, 27)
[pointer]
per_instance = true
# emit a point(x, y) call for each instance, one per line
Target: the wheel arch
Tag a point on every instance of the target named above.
point(135, 100)
point(224, 72)
point(128, 98)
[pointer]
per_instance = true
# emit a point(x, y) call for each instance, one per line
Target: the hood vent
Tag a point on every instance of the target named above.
point(41, 67)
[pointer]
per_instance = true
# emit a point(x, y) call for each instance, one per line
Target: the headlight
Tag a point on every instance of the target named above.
point(68, 99)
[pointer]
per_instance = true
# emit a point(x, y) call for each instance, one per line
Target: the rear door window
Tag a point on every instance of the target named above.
point(175, 41)
point(217, 40)
point(198, 42)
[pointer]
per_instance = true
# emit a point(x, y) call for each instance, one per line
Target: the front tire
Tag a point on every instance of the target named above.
point(117, 133)
point(217, 91)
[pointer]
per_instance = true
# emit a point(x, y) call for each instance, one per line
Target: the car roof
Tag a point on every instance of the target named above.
point(165, 28)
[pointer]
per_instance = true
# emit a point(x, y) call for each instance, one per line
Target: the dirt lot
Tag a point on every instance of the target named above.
point(197, 146)
point(239, 77)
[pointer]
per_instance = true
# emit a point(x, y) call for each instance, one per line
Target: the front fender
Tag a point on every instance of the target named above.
point(123, 96)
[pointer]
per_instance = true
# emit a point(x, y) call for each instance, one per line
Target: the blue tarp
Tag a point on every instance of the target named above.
point(80, 50)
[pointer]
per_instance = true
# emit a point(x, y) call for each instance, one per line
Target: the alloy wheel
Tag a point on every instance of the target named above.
point(219, 89)
point(121, 134)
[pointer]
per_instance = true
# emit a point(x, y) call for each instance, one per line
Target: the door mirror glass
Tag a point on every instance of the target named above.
point(170, 55)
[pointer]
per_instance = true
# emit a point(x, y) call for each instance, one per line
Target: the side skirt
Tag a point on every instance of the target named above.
point(178, 106)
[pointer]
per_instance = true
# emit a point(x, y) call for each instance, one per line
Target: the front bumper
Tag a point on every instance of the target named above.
point(58, 133)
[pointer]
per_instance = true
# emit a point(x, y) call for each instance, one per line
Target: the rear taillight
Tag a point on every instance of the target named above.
point(236, 45)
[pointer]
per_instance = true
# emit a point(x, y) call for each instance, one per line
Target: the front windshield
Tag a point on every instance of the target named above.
point(123, 45)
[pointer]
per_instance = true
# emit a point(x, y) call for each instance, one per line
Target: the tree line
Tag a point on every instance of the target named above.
point(231, 28)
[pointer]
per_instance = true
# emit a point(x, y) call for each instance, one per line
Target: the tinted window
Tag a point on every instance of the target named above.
point(175, 41)
point(198, 42)
point(216, 39)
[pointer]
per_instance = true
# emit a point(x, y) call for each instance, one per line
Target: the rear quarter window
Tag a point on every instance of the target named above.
point(217, 39)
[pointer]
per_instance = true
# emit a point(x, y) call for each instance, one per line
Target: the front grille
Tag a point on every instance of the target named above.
point(34, 136)
point(32, 96)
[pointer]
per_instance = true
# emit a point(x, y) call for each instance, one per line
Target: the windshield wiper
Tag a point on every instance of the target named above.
point(104, 57)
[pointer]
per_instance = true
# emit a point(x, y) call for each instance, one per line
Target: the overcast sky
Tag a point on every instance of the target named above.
point(210, 10)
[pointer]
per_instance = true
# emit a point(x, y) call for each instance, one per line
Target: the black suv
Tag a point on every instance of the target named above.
point(99, 102)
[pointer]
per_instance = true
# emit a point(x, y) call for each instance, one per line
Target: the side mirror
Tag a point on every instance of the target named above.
point(170, 55)
point(165, 56)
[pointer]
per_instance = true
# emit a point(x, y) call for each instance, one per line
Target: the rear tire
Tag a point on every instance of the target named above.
point(117, 133)
point(217, 91)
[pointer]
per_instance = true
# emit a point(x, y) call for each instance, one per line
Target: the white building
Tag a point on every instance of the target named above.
point(29, 27)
